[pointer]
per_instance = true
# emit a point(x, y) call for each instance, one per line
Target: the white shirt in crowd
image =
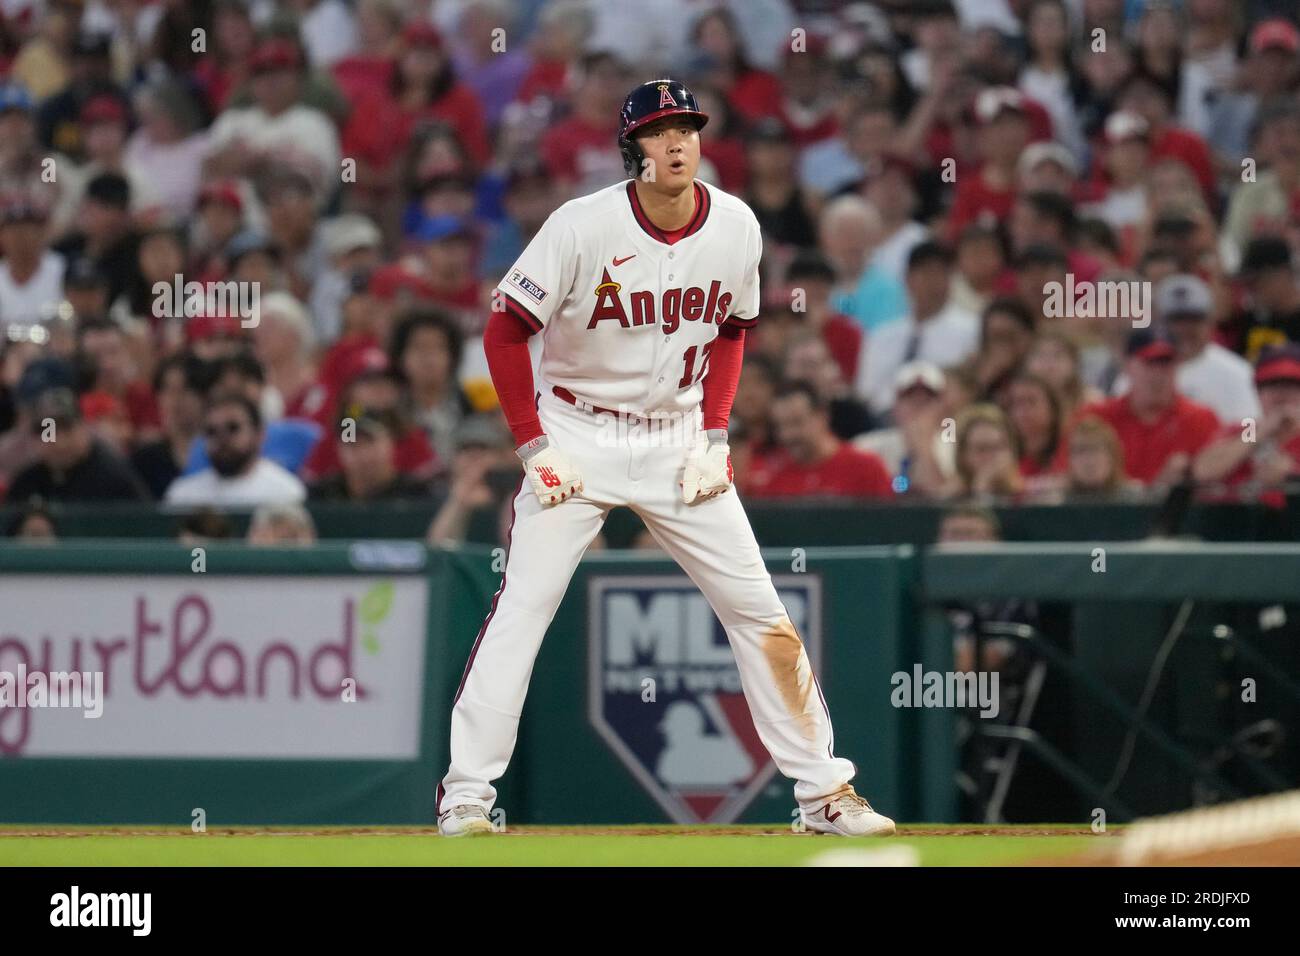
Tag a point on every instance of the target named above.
point(266, 483)
point(891, 255)
point(36, 298)
point(300, 136)
point(944, 339)
point(1219, 378)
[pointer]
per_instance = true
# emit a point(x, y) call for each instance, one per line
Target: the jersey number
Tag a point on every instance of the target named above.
point(688, 376)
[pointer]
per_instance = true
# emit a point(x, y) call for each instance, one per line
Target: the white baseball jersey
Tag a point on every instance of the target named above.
point(626, 319)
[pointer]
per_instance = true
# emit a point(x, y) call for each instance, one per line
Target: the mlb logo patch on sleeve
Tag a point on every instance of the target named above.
point(527, 286)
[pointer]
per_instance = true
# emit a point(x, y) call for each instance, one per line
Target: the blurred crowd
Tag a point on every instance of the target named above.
point(937, 181)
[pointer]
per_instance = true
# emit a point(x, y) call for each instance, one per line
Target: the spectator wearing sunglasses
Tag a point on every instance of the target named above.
point(238, 476)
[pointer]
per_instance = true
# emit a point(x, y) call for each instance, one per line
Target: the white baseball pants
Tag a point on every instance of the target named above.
point(711, 541)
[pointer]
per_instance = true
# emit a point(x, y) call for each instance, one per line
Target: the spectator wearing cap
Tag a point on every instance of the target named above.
point(367, 454)
point(105, 233)
point(1264, 207)
point(284, 342)
point(178, 389)
point(220, 208)
point(1160, 430)
point(31, 275)
point(1271, 314)
point(72, 463)
point(919, 461)
point(891, 188)
point(277, 128)
point(105, 355)
point(848, 234)
point(22, 157)
point(1047, 167)
point(1002, 132)
point(168, 147)
point(422, 88)
point(576, 149)
point(1125, 160)
point(1269, 73)
point(811, 278)
point(287, 441)
point(1150, 98)
point(935, 331)
point(28, 371)
point(91, 74)
point(426, 352)
point(783, 210)
point(812, 461)
point(448, 250)
point(85, 290)
point(1269, 454)
point(238, 474)
point(352, 244)
point(1207, 372)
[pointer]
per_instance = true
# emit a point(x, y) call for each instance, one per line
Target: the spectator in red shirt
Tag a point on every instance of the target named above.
point(1267, 454)
point(367, 71)
point(812, 461)
point(1002, 134)
point(577, 150)
point(752, 93)
point(423, 88)
point(1160, 430)
point(556, 45)
point(103, 349)
point(1144, 94)
point(812, 277)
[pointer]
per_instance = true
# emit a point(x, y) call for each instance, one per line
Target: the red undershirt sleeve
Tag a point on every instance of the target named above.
point(505, 342)
point(724, 375)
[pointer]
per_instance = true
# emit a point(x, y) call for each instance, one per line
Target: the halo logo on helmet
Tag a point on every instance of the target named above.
point(649, 102)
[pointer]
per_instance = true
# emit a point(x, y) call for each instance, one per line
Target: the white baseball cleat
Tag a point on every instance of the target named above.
point(848, 815)
point(465, 820)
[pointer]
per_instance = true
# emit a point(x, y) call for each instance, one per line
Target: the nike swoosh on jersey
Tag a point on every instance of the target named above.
point(619, 262)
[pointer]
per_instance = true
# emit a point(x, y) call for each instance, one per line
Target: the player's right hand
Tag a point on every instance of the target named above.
point(553, 476)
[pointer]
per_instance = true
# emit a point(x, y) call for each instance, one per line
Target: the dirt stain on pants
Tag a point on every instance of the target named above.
point(794, 678)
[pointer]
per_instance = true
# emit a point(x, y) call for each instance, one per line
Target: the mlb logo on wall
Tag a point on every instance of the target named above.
point(694, 746)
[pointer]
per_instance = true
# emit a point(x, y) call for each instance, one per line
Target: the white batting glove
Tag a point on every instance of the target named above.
point(708, 471)
point(553, 476)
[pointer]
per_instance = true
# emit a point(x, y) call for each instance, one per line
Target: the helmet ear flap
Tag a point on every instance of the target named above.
point(633, 156)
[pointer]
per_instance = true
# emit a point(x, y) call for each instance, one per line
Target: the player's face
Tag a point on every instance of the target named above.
point(672, 146)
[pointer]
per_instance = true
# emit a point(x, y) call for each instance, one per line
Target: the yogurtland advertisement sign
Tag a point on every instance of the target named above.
point(282, 667)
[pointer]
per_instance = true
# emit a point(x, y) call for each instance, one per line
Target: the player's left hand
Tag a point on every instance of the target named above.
point(708, 470)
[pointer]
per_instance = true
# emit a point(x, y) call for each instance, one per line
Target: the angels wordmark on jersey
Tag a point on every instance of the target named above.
point(628, 319)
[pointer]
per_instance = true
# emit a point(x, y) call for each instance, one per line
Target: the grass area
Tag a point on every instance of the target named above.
point(534, 846)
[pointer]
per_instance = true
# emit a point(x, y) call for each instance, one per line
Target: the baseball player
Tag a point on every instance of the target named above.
point(642, 293)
